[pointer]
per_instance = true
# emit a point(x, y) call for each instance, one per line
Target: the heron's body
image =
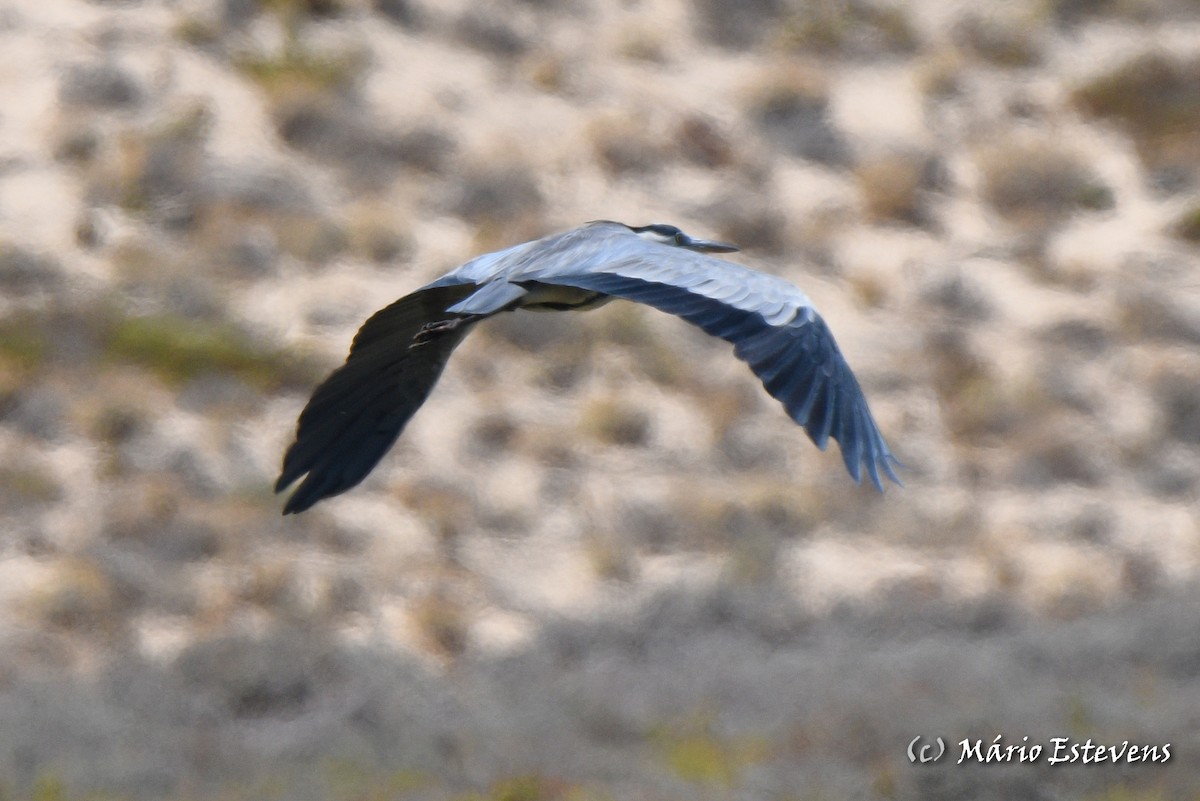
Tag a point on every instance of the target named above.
point(356, 415)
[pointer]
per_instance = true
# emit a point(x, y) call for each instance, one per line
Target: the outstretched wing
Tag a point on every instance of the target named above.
point(358, 412)
point(773, 328)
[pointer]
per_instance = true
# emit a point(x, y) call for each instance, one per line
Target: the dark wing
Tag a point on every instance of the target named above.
point(799, 363)
point(358, 412)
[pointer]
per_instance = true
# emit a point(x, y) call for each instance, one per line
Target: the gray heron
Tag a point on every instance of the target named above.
point(358, 412)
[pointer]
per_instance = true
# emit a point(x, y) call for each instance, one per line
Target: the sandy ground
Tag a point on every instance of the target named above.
point(601, 562)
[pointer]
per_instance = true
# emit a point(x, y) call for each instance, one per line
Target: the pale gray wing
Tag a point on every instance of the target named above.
point(358, 412)
point(771, 324)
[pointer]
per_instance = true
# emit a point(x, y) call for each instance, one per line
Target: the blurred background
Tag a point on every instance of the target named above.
point(601, 563)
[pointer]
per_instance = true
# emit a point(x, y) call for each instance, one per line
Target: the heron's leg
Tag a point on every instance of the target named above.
point(431, 331)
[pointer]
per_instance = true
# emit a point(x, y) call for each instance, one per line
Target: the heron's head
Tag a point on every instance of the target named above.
point(670, 235)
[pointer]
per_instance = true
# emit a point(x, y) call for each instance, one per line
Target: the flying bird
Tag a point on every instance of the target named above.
point(358, 412)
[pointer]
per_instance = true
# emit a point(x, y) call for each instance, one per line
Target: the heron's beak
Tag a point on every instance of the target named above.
point(709, 246)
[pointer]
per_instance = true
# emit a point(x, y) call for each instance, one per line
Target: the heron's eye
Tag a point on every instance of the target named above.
point(680, 238)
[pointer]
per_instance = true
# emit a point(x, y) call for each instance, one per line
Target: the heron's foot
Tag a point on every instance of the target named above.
point(431, 331)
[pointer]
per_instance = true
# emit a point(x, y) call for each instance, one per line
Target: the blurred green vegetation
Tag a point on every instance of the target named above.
point(178, 349)
point(172, 347)
point(346, 779)
point(296, 68)
point(695, 753)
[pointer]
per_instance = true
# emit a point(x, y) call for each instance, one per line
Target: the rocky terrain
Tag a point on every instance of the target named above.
point(601, 563)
